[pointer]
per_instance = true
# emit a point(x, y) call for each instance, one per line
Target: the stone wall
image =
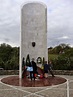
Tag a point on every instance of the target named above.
point(9, 72)
point(56, 72)
point(63, 72)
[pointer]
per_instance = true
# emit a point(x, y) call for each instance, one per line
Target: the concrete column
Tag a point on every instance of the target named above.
point(33, 32)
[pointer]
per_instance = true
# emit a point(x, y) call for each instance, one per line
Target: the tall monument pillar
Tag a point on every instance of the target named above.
point(33, 32)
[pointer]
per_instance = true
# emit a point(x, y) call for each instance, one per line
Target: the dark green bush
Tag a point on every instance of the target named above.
point(61, 63)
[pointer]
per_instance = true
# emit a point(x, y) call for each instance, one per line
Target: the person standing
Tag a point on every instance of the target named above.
point(50, 68)
point(46, 68)
point(34, 68)
point(30, 70)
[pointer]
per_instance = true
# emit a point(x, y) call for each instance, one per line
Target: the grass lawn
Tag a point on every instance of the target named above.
point(52, 56)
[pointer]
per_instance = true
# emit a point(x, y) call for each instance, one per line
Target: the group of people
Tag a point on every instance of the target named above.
point(32, 68)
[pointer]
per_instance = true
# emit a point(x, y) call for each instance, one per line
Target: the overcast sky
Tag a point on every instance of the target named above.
point(59, 21)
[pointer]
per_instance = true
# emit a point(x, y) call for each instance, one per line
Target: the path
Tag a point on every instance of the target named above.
point(62, 90)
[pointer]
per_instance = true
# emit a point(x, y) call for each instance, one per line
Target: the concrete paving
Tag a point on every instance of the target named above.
point(61, 90)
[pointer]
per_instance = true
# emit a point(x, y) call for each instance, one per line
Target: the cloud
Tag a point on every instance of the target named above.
point(60, 23)
point(63, 37)
point(9, 22)
point(59, 18)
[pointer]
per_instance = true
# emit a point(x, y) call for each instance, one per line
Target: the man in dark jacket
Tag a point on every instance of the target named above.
point(34, 67)
point(48, 67)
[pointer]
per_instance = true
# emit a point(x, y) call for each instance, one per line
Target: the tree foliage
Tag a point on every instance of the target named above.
point(9, 57)
point(64, 59)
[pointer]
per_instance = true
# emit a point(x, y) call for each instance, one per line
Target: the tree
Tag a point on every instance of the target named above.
point(9, 56)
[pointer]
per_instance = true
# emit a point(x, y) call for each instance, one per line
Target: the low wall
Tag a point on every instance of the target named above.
point(56, 72)
point(9, 72)
point(63, 72)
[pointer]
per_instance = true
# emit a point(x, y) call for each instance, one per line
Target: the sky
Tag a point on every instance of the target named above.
point(59, 21)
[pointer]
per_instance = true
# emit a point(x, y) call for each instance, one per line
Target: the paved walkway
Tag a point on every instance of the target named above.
point(62, 90)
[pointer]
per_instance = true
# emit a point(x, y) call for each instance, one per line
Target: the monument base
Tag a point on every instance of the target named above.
point(39, 82)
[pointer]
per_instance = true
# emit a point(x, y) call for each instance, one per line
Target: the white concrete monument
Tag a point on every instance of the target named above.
point(33, 32)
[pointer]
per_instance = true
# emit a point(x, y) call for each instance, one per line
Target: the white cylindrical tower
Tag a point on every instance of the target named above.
point(33, 32)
